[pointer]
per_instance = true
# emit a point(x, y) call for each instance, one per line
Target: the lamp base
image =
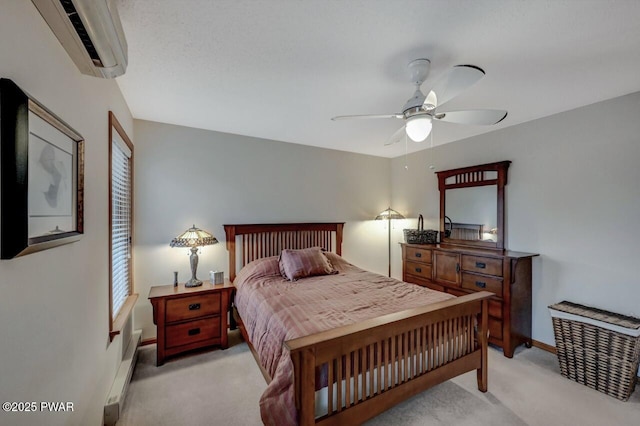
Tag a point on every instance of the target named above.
point(193, 283)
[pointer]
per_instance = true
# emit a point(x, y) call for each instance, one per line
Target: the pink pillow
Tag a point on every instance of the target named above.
point(296, 264)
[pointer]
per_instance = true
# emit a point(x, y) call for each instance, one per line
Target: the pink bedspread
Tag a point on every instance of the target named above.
point(274, 310)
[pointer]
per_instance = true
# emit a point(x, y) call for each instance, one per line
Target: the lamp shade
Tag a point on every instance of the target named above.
point(418, 127)
point(388, 214)
point(193, 237)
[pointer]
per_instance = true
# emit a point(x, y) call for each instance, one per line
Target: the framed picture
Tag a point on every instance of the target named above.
point(41, 176)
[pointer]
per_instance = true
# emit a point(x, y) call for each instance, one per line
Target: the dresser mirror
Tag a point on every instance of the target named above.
point(472, 205)
point(472, 213)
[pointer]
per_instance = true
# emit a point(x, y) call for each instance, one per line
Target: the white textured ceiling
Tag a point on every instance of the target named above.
point(280, 69)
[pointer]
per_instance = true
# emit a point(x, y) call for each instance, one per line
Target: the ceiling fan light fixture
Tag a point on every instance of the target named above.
point(418, 127)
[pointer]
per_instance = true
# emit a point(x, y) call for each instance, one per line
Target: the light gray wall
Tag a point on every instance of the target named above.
point(573, 196)
point(54, 304)
point(186, 176)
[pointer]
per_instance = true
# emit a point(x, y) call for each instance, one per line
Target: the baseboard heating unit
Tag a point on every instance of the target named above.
point(115, 400)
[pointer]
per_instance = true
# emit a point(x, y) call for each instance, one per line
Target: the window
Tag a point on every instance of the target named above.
point(121, 296)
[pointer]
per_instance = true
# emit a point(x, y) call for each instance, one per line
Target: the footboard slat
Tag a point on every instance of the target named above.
point(330, 377)
point(392, 366)
point(369, 381)
point(436, 349)
point(451, 339)
point(356, 375)
point(347, 378)
point(423, 339)
point(377, 363)
point(379, 355)
point(339, 381)
point(406, 337)
point(453, 327)
point(469, 335)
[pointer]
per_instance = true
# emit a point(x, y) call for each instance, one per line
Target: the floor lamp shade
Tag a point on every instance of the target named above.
point(388, 215)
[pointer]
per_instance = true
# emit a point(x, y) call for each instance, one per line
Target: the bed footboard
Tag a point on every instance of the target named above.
point(373, 365)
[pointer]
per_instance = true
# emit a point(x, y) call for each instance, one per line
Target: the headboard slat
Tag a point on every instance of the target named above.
point(265, 240)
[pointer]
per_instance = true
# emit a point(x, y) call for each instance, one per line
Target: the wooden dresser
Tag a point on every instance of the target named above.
point(190, 318)
point(463, 270)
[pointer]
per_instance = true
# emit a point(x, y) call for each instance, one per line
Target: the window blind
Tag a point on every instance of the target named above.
point(120, 225)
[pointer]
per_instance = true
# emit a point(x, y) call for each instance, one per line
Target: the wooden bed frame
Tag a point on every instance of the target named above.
point(409, 351)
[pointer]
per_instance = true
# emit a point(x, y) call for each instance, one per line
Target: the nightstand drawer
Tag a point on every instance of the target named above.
point(418, 255)
point(417, 269)
point(192, 307)
point(192, 331)
point(484, 265)
point(479, 282)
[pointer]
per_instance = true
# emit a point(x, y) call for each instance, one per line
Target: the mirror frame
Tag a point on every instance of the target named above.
point(467, 177)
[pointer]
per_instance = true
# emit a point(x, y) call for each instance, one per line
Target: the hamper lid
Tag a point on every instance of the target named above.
point(597, 314)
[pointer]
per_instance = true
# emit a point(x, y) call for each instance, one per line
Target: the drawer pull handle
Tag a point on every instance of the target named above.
point(418, 269)
point(481, 265)
point(481, 284)
point(194, 331)
point(194, 306)
point(418, 254)
point(457, 267)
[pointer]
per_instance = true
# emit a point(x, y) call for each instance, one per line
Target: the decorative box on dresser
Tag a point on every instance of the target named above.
point(462, 270)
point(190, 318)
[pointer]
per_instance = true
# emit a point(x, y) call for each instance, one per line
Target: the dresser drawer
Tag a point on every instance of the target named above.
point(417, 269)
point(192, 307)
point(479, 282)
point(418, 254)
point(192, 331)
point(484, 265)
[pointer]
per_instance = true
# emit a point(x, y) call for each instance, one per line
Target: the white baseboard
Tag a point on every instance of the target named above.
point(115, 400)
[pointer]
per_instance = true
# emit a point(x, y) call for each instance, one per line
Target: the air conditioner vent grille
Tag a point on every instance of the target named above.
point(72, 13)
point(91, 33)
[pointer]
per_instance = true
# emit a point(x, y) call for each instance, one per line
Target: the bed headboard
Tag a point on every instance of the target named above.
point(264, 240)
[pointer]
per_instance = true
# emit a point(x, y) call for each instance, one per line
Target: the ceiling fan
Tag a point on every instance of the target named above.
point(419, 112)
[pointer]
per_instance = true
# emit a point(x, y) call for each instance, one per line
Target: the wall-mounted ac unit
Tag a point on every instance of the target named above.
point(91, 33)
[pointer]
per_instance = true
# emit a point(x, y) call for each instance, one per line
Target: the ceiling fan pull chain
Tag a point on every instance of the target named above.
point(433, 153)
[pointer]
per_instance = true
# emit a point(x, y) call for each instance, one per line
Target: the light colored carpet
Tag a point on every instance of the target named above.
point(223, 388)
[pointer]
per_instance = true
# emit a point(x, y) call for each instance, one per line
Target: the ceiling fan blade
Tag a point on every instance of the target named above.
point(396, 137)
point(455, 81)
point(430, 101)
point(483, 117)
point(366, 116)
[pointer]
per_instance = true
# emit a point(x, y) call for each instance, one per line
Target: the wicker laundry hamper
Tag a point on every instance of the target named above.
point(597, 348)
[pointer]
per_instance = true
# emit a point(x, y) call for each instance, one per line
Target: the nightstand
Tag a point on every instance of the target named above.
point(190, 318)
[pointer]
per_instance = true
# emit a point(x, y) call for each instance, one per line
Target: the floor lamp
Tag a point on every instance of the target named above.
point(387, 215)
